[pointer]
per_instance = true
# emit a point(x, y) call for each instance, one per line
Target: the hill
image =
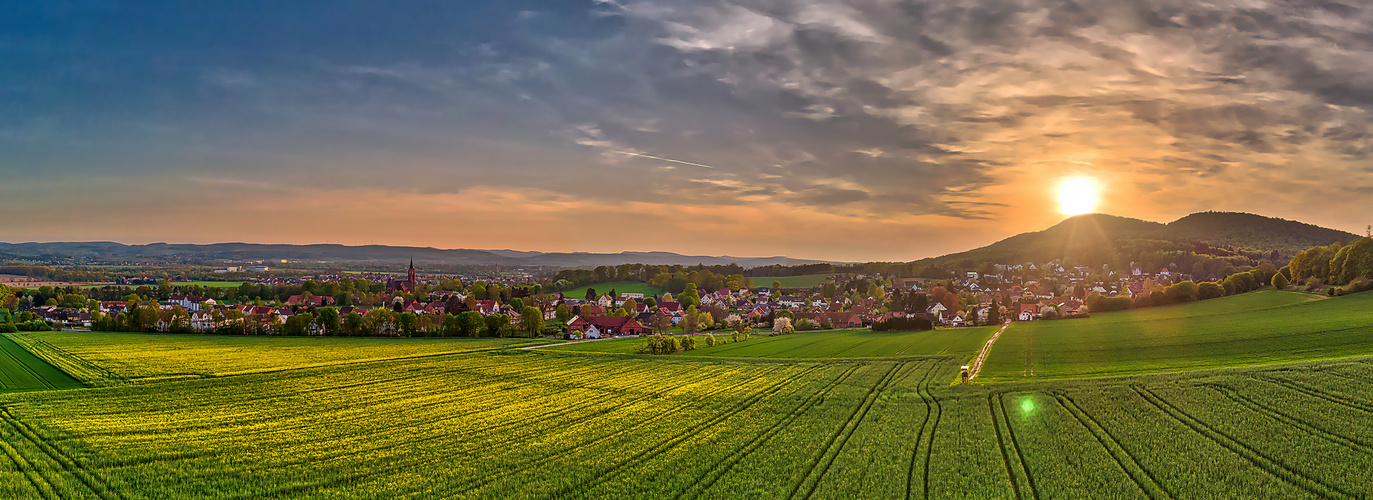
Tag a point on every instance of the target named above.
point(1110, 239)
point(110, 251)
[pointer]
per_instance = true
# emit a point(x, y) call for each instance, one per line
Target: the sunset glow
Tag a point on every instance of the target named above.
point(1078, 195)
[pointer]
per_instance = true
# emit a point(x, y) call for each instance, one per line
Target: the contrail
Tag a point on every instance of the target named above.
point(664, 159)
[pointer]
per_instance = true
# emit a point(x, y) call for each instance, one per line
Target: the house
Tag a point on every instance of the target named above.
point(301, 300)
point(952, 318)
point(202, 321)
point(488, 307)
point(1027, 312)
point(190, 302)
point(607, 325)
point(835, 319)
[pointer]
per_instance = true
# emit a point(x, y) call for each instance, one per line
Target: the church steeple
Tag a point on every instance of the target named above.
point(410, 279)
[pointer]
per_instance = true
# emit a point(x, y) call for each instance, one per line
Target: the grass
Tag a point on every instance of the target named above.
point(806, 281)
point(105, 358)
point(20, 370)
point(620, 287)
point(1256, 328)
point(957, 342)
point(211, 284)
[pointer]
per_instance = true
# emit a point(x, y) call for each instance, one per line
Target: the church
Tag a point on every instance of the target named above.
point(406, 286)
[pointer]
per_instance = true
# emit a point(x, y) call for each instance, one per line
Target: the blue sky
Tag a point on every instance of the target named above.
point(735, 126)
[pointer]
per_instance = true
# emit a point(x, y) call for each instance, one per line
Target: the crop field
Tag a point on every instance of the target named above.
point(105, 358)
point(959, 343)
point(619, 287)
point(530, 424)
point(1254, 328)
point(20, 370)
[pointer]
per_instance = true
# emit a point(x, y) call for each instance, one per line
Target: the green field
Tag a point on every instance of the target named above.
point(959, 343)
point(618, 286)
point(212, 284)
point(533, 424)
point(1254, 328)
point(20, 370)
point(788, 282)
point(837, 414)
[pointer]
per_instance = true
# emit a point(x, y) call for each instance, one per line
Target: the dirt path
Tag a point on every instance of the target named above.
point(986, 348)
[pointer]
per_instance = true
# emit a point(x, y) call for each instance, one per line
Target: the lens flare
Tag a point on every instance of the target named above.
point(1078, 195)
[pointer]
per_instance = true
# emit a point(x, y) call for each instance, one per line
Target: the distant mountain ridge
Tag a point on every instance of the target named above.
point(375, 253)
point(1093, 237)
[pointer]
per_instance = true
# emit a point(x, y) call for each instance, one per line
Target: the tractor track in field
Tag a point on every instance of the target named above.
point(722, 467)
point(923, 390)
point(1258, 459)
point(1319, 394)
point(845, 432)
point(1146, 481)
point(66, 462)
point(672, 443)
point(485, 479)
point(1345, 441)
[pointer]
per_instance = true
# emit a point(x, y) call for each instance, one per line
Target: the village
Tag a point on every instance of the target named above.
point(1023, 292)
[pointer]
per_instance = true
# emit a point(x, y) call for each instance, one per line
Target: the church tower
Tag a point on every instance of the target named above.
point(410, 279)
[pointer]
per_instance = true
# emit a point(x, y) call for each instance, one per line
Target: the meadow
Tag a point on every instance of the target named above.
point(960, 343)
point(1255, 328)
point(788, 282)
point(619, 287)
point(786, 417)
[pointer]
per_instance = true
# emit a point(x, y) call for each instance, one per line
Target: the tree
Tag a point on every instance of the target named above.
point(328, 321)
point(378, 321)
point(662, 323)
point(782, 326)
point(1185, 291)
point(1210, 290)
point(1279, 281)
point(690, 298)
point(776, 287)
point(994, 315)
point(590, 294)
point(352, 324)
point(469, 323)
point(828, 290)
point(406, 324)
point(497, 325)
point(531, 321)
point(691, 321)
point(563, 314)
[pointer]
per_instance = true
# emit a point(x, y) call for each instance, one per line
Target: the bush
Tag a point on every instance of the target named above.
point(8, 328)
point(1210, 290)
point(805, 324)
point(1097, 302)
point(1359, 284)
point(1279, 281)
point(710, 340)
point(913, 323)
point(658, 344)
point(740, 337)
point(689, 343)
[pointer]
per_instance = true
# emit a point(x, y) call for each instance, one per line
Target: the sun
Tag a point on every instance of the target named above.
point(1078, 195)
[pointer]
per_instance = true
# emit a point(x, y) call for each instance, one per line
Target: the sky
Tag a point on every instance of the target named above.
point(848, 130)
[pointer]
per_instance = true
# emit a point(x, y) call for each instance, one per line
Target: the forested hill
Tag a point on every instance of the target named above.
point(370, 253)
point(1096, 239)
